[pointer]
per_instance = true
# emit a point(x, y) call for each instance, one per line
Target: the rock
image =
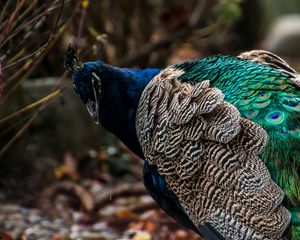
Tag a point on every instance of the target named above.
point(76, 228)
point(47, 224)
point(75, 236)
point(33, 233)
point(59, 221)
point(58, 225)
point(30, 224)
point(86, 235)
point(9, 208)
point(15, 216)
point(34, 217)
point(99, 226)
point(77, 216)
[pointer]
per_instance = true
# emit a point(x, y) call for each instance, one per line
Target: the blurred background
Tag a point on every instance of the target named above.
point(63, 177)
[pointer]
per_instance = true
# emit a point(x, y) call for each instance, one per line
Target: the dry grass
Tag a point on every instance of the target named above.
point(29, 31)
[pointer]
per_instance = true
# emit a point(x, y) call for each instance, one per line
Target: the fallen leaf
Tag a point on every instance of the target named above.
point(124, 213)
point(5, 236)
point(150, 227)
point(141, 235)
point(181, 235)
point(57, 237)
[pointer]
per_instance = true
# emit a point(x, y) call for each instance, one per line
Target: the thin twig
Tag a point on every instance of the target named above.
point(4, 11)
point(30, 22)
point(39, 50)
point(150, 47)
point(23, 129)
point(17, 55)
point(167, 40)
point(27, 10)
point(10, 22)
point(15, 124)
point(31, 120)
point(82, 18)
point(54, 29)
point(18, 73)
point(51, 41)
point(30, 106)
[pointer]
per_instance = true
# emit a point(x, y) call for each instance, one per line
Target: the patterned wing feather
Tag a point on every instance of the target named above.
point(209, 157)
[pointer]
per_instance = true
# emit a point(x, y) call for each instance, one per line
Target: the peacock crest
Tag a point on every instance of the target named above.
point(72, 62)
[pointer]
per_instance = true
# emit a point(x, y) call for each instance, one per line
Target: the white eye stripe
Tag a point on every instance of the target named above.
point(95, 76)
point(93, 107)
point(96, 81)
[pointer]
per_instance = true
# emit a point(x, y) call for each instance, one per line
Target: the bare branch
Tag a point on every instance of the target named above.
point(118, 192)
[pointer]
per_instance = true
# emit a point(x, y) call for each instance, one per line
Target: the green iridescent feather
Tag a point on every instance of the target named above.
point(265, 91)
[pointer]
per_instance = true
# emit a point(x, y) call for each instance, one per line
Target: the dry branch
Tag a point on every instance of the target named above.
point(166, 41)
point(124, 190)
point(49, 195)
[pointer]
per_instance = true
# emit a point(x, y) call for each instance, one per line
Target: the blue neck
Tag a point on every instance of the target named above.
point(121, 90)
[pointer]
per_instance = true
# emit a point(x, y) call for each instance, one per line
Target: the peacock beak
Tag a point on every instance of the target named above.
point(93, 110)
point(93, 106)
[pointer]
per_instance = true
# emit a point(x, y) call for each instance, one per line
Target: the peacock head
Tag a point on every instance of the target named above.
point(86, 81)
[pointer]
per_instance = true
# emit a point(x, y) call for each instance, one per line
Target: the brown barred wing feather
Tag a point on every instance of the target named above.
point(209, 157)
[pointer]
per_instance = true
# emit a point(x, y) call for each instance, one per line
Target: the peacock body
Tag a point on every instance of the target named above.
point(219, 136)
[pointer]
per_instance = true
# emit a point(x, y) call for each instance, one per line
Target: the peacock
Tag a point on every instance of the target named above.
point(219, 137)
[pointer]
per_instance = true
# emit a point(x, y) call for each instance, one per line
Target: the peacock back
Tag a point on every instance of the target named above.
point(223, 131)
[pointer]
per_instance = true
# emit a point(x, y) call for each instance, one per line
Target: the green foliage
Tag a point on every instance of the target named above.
point(228, 11)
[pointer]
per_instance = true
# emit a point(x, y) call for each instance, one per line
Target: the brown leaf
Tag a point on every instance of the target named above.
point(68, 168)
point(5, 236)
point(181, 235)
point(124, 213)
point(57, 237)
point(141, 235)
point(150, 227)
